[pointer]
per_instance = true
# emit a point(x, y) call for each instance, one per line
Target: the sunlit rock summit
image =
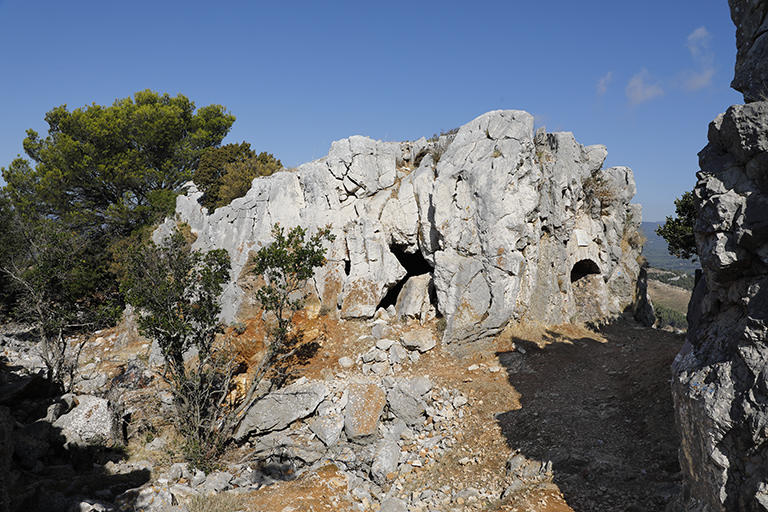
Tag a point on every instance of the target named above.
point(493, 224)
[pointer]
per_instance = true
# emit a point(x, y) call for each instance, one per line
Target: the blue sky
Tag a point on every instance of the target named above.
point(645, 79)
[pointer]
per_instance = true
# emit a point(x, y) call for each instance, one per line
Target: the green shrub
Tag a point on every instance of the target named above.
point(670, 317)
point(236, 181)
point(678, 230)
point(226, 173)
point(176, 292)
point(285, 265)
point(211, 168)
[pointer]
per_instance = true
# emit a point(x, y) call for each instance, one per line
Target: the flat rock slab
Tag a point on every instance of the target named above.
point(328, 428)
point(278, 410)
point(364, 407)
point(419, 339)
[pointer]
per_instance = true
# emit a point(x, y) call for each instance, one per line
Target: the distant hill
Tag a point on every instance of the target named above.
point(655, 250)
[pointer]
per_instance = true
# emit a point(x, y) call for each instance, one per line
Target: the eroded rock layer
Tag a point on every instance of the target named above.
point(721, 375)
point(506, 225)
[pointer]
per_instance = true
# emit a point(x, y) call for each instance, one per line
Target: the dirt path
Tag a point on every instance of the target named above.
point(601, 411)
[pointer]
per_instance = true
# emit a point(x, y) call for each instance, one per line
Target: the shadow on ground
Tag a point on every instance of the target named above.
point(601, 412)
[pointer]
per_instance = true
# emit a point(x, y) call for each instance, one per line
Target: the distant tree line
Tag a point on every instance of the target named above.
point(675, 278)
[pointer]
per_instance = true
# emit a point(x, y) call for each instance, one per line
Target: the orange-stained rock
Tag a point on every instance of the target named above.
point(364, 407)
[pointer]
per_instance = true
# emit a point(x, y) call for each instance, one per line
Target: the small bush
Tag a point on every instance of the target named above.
point(634, 237)
point(450, 133)
point(440, 144)
point(176, 294)
point(226, 173)
point(597, 187)
point(286, 265)
point(236, 181)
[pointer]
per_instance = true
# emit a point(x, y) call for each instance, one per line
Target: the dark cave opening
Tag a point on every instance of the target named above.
point(414, 264)
point(583, 268)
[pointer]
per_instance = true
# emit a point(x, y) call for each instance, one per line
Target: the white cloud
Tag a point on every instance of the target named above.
point(699, 45)
point(602, 84)
point(638, 90)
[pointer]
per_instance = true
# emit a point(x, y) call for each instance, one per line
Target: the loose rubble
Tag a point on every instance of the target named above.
point(375, 425)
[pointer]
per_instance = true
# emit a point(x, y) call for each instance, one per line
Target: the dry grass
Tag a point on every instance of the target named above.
point(671, 297)
point(224, 502)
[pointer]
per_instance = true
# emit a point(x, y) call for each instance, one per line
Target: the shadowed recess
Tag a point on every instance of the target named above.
point(414, 264)
point(583, 268)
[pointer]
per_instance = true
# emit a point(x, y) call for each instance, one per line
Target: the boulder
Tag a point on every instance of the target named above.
point(393, 505)
point(397, 354)
point(406, 401)
point(385, 461)
point(92, 422)
point(365, 404)
point(279, 409)
point(419, 339)
point(414, 300)
point(328, 428)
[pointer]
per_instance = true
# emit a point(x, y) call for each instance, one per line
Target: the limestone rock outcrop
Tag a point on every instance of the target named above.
point(721, 375)
point(751, 70)
point(720, 384)
point(508, 224)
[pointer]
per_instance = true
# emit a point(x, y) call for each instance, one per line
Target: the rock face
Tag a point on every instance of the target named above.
point(91, 422)
point(751, 68)
point(506, 224)
point(278, 410)
point(721, 375)
point(721, 378)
